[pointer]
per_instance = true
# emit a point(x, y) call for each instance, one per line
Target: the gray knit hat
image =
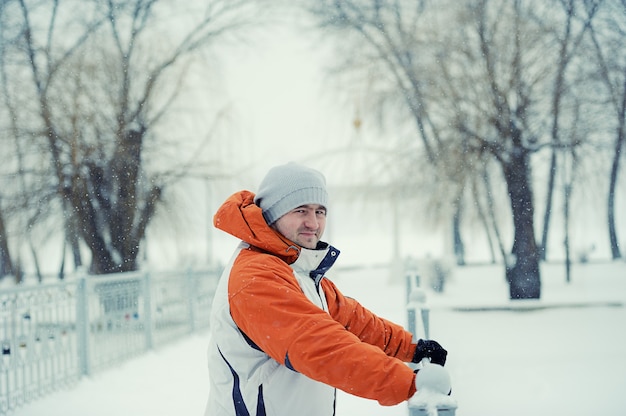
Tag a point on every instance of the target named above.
point(289, 186)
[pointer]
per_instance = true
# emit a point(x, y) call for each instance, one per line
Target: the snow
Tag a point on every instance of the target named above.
point(431, 401)
point(561, 355)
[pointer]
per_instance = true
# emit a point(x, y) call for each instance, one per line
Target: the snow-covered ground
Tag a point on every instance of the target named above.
point(562, 355)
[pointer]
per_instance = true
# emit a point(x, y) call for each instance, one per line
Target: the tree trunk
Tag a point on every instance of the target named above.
point(492, 213)
point(123, 218)
point(566, 242)
point(617, 155)
point(557, 96)
point(522, 268)
point(6, 263)
point(485, 223)
point(548, 212)
point(72, 238)
point(33, 251)
point(459, 248)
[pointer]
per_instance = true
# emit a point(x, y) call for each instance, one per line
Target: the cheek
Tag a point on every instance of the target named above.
point(286, 227)
point(280, 228)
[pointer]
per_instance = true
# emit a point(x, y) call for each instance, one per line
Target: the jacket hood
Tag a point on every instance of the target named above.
point(240, 217)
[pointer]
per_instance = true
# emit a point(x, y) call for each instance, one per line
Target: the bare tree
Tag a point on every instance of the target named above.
point(568, 41)
point(482, 80)
point(6, 262)
point(104, 76)
point(389, 38)
point(495, 66)
point(608, 39)
point(482, 189)
point(9, 205)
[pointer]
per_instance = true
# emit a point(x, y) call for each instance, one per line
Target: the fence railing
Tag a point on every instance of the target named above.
point(53, 334)
point(418, 317)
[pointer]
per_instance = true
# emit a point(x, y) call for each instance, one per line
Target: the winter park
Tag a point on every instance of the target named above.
point(472, 157)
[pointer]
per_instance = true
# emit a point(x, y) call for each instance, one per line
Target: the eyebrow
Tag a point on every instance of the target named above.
point(312, 206)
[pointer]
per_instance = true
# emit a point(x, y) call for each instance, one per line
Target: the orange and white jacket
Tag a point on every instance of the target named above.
point(283, 337)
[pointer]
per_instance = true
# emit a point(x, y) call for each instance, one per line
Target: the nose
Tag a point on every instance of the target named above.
point(311, 222)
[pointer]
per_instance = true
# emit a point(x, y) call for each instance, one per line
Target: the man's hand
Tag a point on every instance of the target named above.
point(430, 349)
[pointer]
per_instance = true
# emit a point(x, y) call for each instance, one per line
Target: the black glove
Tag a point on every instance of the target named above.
point(431, 349)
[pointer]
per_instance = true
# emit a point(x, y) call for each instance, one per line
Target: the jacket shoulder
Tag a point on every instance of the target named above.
point(253, 267)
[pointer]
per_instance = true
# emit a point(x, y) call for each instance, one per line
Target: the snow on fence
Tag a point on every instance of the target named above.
point(418, 318)
point(53, 334)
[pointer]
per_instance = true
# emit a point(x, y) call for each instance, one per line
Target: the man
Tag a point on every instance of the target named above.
point(283, 336)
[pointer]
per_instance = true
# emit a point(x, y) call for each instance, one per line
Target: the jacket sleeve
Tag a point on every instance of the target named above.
point(268, 305)
point(392, 338)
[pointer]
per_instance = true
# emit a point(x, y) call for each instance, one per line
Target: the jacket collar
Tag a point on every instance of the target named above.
point(240, 217)
point(315, 263)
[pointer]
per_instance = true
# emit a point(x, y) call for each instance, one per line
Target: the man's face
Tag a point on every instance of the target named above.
point(303, 225)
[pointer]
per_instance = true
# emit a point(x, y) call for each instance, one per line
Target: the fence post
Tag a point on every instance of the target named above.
point(416, 305)
point(82, 325)
point(147, 311)
point(419, 313)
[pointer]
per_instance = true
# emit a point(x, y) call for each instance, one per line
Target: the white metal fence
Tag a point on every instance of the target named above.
point(53, 334)
point(418, 317)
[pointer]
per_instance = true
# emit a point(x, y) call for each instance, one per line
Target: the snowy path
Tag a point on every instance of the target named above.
point(558, 360)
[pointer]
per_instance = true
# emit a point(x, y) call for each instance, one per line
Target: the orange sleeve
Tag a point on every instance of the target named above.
point(392, 338)
point(268, 305)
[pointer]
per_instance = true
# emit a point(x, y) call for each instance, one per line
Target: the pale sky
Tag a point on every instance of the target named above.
point(287, 108)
